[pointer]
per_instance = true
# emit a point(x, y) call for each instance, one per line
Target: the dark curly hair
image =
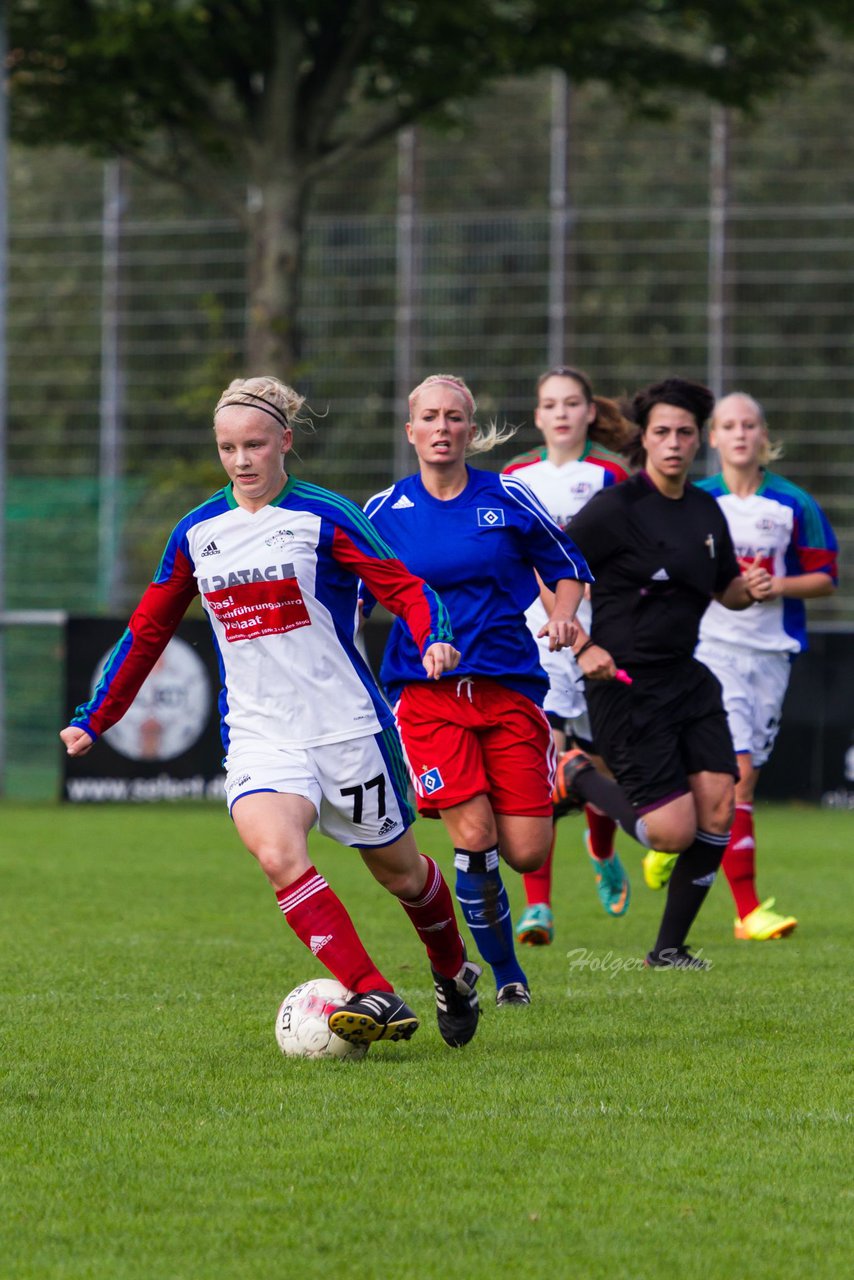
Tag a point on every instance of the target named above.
point(696, 399)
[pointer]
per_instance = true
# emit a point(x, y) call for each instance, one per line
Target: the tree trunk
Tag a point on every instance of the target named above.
point(275, 235)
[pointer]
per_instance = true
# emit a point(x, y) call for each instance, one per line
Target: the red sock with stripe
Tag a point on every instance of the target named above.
point(538, 884)
point(432, 913)
point(739, 864)
point(319, 919)
point(601, 829)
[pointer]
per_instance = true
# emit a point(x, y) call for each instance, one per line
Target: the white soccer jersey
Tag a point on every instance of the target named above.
point(279, 587)
point(785, 527)
point(563, 491)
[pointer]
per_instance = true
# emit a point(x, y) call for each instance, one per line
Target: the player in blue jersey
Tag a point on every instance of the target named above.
point(309, 738)
point(751, 653)
point(477, 743)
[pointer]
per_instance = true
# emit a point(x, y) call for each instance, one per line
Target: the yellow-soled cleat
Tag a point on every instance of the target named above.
point(763, 925)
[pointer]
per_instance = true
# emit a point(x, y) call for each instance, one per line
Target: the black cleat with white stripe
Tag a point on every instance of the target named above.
point(457, 1007)
point(373, 1015)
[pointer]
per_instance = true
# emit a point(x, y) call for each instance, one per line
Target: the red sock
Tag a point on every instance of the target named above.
point(538, 884)
point(319, 919)
point(739, 862)
point(601, 829)
point(433, 916)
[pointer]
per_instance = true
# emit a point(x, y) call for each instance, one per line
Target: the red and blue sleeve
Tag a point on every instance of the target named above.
point(814, 548)
point(387, 579)
point(151, 627)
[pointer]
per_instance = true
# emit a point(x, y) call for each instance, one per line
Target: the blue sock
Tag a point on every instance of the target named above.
point(486, 910)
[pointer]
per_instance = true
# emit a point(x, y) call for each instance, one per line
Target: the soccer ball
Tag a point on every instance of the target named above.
point(302, 1029)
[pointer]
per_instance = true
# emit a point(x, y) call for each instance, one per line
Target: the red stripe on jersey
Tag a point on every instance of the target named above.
point(401, 592)
point(152, 625)
point(819, 560)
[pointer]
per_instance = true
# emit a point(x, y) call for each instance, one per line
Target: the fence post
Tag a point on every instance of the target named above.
point(111, 446)
point(558, 218)
point(406, 285)
point(4, 199)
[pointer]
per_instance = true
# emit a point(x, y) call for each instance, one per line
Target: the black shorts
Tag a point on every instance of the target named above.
point(656, 732)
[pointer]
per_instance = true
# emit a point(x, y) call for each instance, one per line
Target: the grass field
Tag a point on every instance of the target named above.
point(629, 1125)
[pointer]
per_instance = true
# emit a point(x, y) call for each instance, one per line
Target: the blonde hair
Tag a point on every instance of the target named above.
point(267, 394)
point(771, 450)
point(484, 438)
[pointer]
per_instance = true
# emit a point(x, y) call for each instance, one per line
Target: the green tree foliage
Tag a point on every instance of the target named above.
point(249, 103)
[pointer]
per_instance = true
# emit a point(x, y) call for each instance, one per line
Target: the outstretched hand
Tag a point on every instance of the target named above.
point(438, 659)
point(77, 741)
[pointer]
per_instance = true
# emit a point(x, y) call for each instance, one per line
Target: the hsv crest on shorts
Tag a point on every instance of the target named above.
point(431, 781)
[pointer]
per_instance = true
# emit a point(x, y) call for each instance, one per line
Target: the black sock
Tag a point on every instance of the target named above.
point(692, 878)
point(610, 797)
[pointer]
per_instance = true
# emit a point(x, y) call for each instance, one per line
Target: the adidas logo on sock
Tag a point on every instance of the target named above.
point(318, 942)
point(210, 550)
point(402, 501)
point(703, 882)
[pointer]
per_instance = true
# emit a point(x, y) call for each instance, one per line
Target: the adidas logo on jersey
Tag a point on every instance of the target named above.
point(402, 501)
point(319, 941)
point(210, 550)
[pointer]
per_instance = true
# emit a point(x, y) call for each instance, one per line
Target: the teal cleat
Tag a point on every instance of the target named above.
point(612, 883)
point(536, 926)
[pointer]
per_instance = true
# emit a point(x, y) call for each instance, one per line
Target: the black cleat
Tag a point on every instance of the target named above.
point(565, 796)
point(512, 993)
point(675, 958)
point(457, 1006)
point(373, 1015)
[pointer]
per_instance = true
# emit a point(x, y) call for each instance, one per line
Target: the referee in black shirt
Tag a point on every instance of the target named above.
point(660, 550)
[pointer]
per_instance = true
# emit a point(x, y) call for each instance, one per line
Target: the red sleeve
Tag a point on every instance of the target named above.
point(403, 594)
point(151, 627)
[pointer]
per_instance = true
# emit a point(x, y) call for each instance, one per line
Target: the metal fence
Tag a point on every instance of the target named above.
point(551, 226)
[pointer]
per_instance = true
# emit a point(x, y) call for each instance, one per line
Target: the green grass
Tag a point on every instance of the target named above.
point(628, 1125)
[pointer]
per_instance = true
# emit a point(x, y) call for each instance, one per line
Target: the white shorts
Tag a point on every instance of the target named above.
point(754, 684)
point(566, 684)
point(359, 788)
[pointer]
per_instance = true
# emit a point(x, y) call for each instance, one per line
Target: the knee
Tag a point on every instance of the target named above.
point(722, 814)
point(525, 857)
point(475, 835)
point(670, 836)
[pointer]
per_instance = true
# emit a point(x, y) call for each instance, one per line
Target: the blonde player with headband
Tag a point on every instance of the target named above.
point(309, 739)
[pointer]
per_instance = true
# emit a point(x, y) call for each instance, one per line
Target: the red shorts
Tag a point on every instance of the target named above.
point(469, 737)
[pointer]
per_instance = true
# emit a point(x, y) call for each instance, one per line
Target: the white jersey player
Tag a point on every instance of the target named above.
point(309, 738)
point(778, 525)
point(570, 467)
